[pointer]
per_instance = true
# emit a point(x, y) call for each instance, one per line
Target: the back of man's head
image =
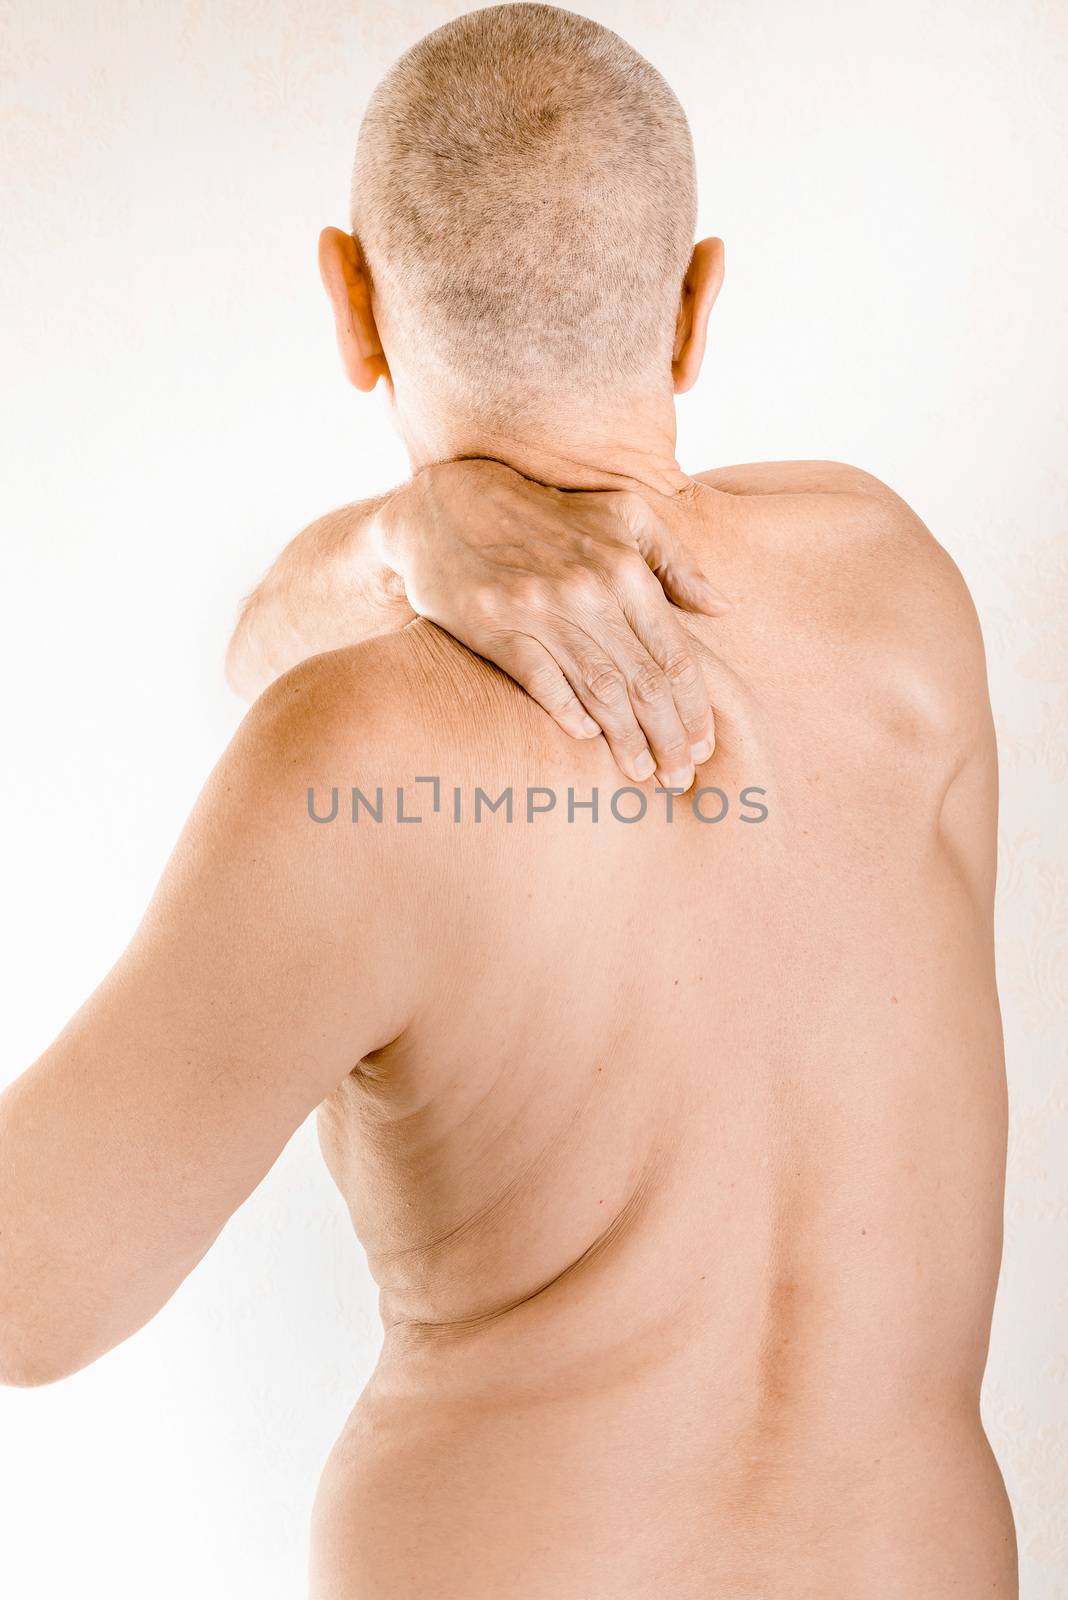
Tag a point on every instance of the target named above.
point(524, 195)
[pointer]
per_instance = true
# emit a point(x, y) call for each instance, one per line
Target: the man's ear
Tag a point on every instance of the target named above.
point(348, 287)
point(700, 287)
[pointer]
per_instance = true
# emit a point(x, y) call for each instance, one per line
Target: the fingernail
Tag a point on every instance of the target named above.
point(588, 728)
point(644, 766)
point(677, 780)
point(701, 751)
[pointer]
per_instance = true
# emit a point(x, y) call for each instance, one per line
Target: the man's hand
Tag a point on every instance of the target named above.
point(569, 593)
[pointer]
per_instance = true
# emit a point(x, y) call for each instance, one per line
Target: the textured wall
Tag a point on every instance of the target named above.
point(886, 182)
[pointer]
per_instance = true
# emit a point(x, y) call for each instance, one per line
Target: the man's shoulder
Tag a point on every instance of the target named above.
point(792, 478)
point(868, 581)
point(321, 780)
point(386, 708)
point(830, 498)
point(848, 534)
point(829, 510)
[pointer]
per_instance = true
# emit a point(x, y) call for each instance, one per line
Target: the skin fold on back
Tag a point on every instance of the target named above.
point(683, 1187)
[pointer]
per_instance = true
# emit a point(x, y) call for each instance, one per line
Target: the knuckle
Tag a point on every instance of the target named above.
point(529, 590)
point(626, 560)
point(648, 683)
point(630, 742)
point(673, 753)
point(629, 571)
point(586, 546)
point(484, 601)
point(546, 685)
point(680, 669)
point(582, 586)
point(601, 682)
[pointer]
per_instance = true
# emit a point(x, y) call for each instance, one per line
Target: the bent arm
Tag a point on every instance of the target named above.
point(330, 587)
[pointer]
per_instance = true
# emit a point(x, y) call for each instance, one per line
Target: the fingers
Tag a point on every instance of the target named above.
point(669, 646)
point(654, 697)
point(668, 558)
point(561, 591)
point(531, 665)
point(626, 663)
point(624, 689)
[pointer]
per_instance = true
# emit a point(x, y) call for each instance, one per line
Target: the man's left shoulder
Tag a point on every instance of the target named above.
point(908, 569)
point(855, 531)
point(914, 615)
point(793, 478)
point(889, 586)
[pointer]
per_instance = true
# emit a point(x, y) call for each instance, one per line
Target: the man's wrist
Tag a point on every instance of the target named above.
point(392, 530)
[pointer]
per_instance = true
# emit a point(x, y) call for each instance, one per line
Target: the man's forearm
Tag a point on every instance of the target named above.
point(329, 588)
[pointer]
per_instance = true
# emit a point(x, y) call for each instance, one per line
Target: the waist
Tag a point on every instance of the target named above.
point(642, 1486)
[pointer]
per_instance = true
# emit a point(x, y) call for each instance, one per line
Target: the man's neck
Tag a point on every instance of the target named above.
point(634, 448)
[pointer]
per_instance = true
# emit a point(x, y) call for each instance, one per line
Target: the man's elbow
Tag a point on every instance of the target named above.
point(35, 1350)
point(28, 1376)
point(24, 1366)
point(236, 666)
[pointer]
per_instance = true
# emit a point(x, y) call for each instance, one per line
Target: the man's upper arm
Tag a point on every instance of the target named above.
point(939, 662)
point(268, 963)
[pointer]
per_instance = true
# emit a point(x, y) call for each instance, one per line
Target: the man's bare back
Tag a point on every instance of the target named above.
point(683, 1183)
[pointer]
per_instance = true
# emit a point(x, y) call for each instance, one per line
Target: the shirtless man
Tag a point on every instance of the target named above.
point(676, 1147)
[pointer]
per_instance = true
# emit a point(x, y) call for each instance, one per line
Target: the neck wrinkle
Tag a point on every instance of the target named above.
point(577, 473)
point(634, 451)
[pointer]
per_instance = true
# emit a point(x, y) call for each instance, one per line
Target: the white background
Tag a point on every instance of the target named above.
point(887, 181)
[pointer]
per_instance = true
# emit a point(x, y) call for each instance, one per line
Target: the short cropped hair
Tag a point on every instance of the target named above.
point(524, 194)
